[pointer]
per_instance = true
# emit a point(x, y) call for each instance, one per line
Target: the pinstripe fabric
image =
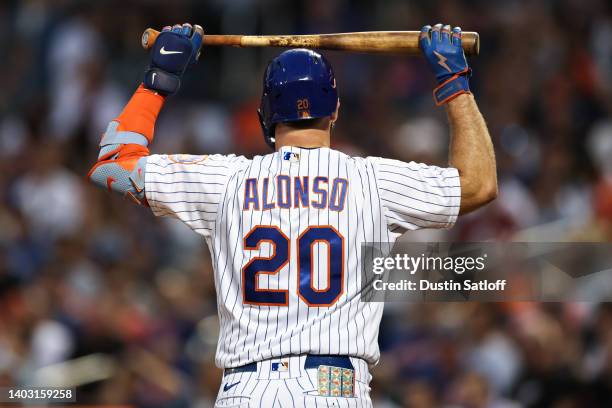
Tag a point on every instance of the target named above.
point(384, 199)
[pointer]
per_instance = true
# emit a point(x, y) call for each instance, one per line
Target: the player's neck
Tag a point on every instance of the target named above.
point(308, 138)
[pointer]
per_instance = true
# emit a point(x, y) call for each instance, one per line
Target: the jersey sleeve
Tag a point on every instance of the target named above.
point(416, 195)
point(189, 187)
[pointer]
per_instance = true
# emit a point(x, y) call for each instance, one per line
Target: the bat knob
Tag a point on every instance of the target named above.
point(145, 39)
point(148, 38)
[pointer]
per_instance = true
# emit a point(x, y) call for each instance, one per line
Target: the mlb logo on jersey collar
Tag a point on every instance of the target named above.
point(281, 366)
point(291, 157)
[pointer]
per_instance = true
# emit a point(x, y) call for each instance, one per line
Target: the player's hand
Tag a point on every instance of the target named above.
point(175, 49)
point(442, 48)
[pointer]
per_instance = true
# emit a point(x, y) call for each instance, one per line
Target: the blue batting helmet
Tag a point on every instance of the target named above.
point(298, 84)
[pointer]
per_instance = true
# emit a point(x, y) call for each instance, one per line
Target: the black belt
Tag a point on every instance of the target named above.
point(312, 361)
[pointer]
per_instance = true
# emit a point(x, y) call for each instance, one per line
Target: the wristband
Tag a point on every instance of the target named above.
point(451, 88)
point(161, 81)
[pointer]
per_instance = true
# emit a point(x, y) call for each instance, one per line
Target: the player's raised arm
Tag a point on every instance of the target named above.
point(471, 149)
point(123, 153)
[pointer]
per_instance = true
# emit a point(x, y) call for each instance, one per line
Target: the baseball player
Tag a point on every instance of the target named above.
point(285, 229)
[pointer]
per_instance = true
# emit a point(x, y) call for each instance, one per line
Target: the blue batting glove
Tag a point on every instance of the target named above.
point(444, 53)
point(175, 49)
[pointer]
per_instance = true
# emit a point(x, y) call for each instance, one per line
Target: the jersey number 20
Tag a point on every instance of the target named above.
point(306, 290)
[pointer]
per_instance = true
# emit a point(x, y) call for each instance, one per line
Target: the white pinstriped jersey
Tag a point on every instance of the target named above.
point(285, 231)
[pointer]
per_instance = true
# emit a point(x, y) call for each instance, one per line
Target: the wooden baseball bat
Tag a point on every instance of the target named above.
point(380, 42)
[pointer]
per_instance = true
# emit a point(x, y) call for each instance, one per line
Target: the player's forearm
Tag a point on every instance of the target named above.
point(471, 152)
point(123, 148)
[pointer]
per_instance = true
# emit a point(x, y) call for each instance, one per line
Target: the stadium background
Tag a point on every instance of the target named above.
point(84, 274)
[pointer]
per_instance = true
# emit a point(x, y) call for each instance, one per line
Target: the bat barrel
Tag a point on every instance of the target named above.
point(387, 42)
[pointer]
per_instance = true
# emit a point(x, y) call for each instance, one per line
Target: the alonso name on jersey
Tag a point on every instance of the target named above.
point(295, 192)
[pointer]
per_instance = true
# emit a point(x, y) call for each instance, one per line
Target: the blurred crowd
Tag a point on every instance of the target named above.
point(97, 293)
